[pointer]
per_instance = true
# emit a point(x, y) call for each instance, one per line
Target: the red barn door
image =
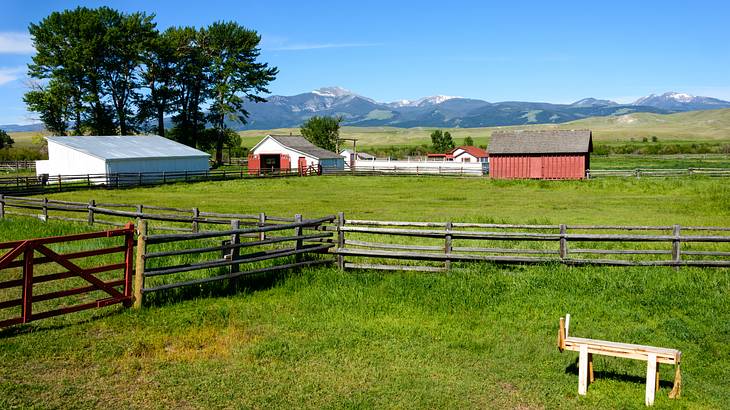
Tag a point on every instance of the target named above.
point(254, 164)
point(535, 170)
point(284, 163)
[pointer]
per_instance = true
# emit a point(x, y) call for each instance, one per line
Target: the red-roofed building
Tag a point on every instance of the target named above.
point(469, 153)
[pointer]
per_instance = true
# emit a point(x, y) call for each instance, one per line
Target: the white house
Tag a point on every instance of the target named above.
point(469, 154)
point(350, 155)
point(82, 155)
point(275, 153)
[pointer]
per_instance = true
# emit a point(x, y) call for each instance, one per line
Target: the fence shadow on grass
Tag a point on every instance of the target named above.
point(622, 377)
point(228, 287)
point(76, 320)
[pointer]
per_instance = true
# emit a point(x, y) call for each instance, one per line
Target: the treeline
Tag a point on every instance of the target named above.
point(104, 72)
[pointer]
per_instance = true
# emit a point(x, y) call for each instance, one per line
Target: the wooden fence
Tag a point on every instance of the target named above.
point(439, 244)
point(25, 185)
point(171, 265)
point(40, 291)
point(649, 172)
point(17, 165)
point(117, 214)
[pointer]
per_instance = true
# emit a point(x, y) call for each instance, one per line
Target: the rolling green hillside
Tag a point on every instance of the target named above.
point(694, 126)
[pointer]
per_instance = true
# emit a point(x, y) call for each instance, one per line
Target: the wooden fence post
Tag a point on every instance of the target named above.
point(90, 217)
point(196, 215)
point(676, 246)
point(60, 186)
point(235, 240)
point(28, 253)
point(139, 266)
point(298, 232)
point(2, 206)
point(340, 239)
point(447, 244)
point(563, 242)
point(261, 224)
point(45, 209)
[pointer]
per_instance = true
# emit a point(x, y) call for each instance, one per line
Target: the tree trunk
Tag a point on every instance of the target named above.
point(219, 147)
point(160, 121)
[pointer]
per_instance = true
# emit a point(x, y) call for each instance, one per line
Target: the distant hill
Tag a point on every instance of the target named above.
point(693, 126)
point(449, 111)
point(444, 111)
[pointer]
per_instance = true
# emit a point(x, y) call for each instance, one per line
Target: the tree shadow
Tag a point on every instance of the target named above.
point(623, 377)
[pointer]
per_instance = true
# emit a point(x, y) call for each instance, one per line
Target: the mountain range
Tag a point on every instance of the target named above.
point(449, 111)
point(443, 111)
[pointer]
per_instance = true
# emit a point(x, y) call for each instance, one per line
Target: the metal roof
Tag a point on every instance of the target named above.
point(301, 144)
point(541, 142)
point(118, 147)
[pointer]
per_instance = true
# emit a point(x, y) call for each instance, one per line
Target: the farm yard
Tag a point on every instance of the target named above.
point(482, 335)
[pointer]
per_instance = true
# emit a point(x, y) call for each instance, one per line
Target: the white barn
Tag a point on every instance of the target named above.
point(82, 155)
point(288, 153)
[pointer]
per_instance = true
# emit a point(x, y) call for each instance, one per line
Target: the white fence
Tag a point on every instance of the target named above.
point(421, 167)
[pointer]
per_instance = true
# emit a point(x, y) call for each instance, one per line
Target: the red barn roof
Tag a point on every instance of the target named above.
point(473, 151)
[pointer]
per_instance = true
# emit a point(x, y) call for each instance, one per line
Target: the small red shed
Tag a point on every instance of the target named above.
point(554, 154)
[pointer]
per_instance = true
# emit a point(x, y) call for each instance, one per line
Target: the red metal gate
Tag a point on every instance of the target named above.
point(28, 248)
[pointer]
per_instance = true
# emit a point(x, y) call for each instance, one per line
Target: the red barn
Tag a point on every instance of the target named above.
point(554, 154)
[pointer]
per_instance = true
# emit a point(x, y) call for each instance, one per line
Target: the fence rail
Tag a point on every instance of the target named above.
point(264, 245)
point(29, 185)
point(652, 172)
point(17, 165)
point(436, 242)
point(117, 214)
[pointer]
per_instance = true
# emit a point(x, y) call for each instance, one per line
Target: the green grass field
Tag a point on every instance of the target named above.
point(481, 337)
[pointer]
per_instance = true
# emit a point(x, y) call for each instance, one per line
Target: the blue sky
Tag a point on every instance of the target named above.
point(389, 50)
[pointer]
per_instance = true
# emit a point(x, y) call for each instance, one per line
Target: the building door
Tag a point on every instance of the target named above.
point(302, 165)
point(270, 163)
point(535, 168)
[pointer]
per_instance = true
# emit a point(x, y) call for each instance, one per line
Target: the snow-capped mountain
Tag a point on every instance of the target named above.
point(432, 100)
point(681, 102)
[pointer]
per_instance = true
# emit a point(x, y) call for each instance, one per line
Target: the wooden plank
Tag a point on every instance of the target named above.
point(238, 274)
point(650, 379)
point(505, 250)
point(583, 370)
point(254, 257)
point(625, 346)
point(394, 267)
point(155, 239)
point(378, 245)
point(622, 251)
point(271, 240)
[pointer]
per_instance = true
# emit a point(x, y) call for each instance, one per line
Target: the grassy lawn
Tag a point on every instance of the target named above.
point(484, 336)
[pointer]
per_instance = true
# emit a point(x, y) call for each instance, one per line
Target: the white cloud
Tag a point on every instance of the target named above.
point(277, 43)
point(16, 43)
point(10, 74)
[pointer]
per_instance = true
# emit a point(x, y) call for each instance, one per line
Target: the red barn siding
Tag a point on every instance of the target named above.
point(554, 166)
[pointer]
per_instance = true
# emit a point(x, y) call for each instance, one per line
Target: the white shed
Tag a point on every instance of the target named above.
point(82, 155)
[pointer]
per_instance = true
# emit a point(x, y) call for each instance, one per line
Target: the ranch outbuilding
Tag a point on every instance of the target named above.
point(115, 154)
point(291, 153)
point(469, 153)
point(554, 154)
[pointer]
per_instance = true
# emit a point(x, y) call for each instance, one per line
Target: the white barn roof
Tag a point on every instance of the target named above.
point(118, 147)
